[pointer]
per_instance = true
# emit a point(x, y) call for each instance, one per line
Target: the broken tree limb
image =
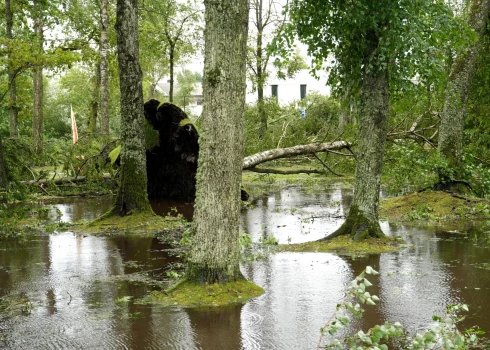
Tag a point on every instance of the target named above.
point(286, 172)
point(60, 181)
point(262, 157)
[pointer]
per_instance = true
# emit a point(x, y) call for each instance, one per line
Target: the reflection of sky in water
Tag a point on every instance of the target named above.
point(302, 290)
point(295, 216)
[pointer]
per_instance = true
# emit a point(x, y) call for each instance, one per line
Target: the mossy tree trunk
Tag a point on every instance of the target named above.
point(38, 87)
point(132, 194)
point(104, 68)
point(215, 251)
point(12, 102)
point(362, 220)
point(455, 107)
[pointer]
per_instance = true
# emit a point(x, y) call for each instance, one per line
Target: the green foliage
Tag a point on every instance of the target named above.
point(245, 241)
point(269, 240)
point(410, 166)
point(187, 81)
point(287, 128)
point(443, 334)
point(288, 67)
point(339, 33)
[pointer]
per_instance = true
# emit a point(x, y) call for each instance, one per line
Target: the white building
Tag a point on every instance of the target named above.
point(291, 89)
point(286, 91)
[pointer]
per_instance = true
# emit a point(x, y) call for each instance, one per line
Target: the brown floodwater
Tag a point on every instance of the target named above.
point(68, 291)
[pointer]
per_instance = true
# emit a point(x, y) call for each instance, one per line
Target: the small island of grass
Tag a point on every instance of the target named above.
point(187, 294)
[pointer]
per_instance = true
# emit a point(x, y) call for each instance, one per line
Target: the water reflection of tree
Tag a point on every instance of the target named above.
point(217, 328)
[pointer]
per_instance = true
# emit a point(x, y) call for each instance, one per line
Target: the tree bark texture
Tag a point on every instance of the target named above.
point(94, 104)
point(38, 87)
point(12, 102)
point(132, 194)
point(362, 220)
point(215, 251)
point(171, 61)
point(260, 68)
point(454, 113)
point(266, 156)
point(104, 68)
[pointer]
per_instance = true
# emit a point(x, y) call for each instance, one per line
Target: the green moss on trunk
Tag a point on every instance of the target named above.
point(358, 226)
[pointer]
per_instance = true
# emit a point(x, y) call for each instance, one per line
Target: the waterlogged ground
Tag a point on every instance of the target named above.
point(67, 291)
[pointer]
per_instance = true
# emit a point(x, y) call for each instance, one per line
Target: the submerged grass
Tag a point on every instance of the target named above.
point(344, 245)
point(143, 223)
point(188, 294)
point(432, 208)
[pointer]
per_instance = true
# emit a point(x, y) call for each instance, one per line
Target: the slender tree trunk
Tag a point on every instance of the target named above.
point(454, 113)
point(3, 173)
point(94, 104)
point(104, 69)
point(12, 103)
point(38, 87)
point(171, 88)
point(260, 69)
point(152, 91)
point(215, 251)
point(132, 194)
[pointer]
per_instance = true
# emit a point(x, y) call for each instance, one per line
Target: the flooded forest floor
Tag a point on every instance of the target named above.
point(58, 290)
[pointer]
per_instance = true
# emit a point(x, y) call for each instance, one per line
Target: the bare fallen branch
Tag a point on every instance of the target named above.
point(286, 172)
point(60, 181)
point(262, 157)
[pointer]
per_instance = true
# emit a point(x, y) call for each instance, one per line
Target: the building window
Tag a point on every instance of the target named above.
point(274, 91)
point(302, 91)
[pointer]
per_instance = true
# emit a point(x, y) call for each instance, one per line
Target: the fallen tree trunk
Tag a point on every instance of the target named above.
point(262, 157)
point(59, 181)
point(286, 172)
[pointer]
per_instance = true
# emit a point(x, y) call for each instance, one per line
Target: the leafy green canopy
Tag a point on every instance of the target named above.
point(413, 36)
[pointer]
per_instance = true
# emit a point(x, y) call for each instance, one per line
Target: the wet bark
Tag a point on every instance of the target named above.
point(132, 194)
point(12, 102)
point(104, 69)
point(215, 252)
point(362, 220)
point(38, 87)
point(455, 106)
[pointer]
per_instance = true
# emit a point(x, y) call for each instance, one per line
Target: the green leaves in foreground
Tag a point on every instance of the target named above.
point(444, 334)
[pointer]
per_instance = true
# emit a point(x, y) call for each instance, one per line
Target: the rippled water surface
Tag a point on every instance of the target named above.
point(68, 291)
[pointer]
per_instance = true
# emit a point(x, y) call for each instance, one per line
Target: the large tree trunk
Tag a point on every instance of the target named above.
point(104, 69)
point(362, 220)
point(454, 113)
point(12, 103)
point(132, 194)
point(37, 117)
point(215, 251)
